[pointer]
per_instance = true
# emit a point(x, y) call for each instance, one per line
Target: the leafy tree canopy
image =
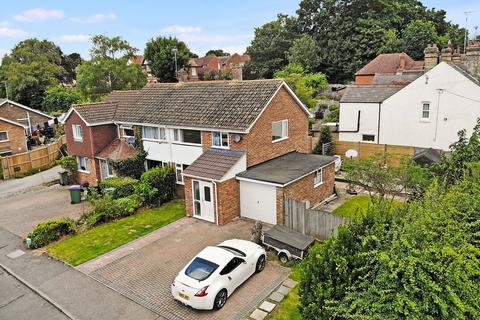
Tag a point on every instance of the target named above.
point(159, 53)
point(304, 52)
point(217, 53)
point(104, 47)
point(60, 98)
point(307, 86)
point(70, 63)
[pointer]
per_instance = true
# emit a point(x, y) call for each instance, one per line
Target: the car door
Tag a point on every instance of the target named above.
point(236, 272)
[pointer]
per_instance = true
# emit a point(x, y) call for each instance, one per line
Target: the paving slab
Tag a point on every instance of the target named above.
point(15, 254)
point(267, 306)
point(290, 283)
point(258, 314)
point(283, 290)
point(276, 296)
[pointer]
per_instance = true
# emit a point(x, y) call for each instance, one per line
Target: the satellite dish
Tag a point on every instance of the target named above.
point(237, 137)
point(351, 153)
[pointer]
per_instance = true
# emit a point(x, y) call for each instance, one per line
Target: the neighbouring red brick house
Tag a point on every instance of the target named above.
point(238, 147)
point(12, 137)
point(213, 67)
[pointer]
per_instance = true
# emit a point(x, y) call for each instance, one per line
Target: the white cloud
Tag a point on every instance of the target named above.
point(181, 29)
point(6, 31)
point(213, 38)
point(39, 14)
point(74, 37)
point(96, 18)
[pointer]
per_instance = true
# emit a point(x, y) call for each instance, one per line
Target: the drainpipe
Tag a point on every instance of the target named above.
point(352, 131)
point(216, 202)
point(378, 126)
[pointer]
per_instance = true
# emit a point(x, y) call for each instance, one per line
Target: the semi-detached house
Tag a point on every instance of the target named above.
point(238, 147)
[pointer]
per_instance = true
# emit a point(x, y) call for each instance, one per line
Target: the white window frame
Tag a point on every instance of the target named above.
point(77, 132)
point(178, 137)
point(429, 110)
point(109, 168)
point(179, 173)
point(160, 131)
point(194, 72)
point(284, 135)
point(122, 129)
point(222, 139)
point(79, 164)
point(318, 176)
point(6, 140)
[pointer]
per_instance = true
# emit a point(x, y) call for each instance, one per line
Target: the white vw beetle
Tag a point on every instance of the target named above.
point(213, 275)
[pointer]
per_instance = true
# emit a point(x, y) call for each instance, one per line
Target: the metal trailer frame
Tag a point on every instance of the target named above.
point(287, 241)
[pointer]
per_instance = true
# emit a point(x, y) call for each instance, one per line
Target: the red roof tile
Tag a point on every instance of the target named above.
point(390, 63)
point(117, 150)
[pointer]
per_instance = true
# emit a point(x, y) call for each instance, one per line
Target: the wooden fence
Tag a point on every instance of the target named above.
point(318, 224)
point(33, 159)
point(366, 150)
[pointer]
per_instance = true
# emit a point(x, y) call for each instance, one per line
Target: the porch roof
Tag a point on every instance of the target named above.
point(117, 150)
point(214, 163)
point(287, 168)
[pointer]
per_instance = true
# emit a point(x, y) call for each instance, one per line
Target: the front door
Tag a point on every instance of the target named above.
point(203, 200)
point(106, 170)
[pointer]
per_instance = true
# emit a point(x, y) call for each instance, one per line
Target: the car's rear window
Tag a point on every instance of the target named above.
point(200, 269)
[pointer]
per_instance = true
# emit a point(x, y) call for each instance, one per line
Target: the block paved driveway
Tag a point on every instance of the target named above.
point(144, 269)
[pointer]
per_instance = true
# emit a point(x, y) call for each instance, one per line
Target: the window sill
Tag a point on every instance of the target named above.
point(219, 147)
point(83, 171)
point(154, 140)
point(180, 183)
point(77, 140)
point(278, 140)
point(318, 184)
point(425, 120)
point(187, 144)
point(4, 141)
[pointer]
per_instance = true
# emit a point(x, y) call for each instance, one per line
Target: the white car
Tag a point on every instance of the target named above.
point(213, 275)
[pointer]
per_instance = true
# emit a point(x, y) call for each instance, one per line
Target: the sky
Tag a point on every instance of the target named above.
point(202, 25)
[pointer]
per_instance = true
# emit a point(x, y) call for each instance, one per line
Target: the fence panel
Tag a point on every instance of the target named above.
point(319, 224)
point(33, 159)
point(366, 150)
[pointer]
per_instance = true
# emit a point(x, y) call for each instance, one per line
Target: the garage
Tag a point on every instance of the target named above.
point(258, 201)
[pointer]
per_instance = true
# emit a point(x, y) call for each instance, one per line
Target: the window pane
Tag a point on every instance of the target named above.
point(3, 136)
point(276, 130)
point(128, 132)
point(425, 114)
point(216, 139)
point(196, 190)
point(224, 139)
point(198, 210)
point(162, 133)
point(426, 106)
point(192, 136)
point(207, 195)
point(176, 133)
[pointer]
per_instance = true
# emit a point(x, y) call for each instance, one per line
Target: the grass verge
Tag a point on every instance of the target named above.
point(85, 246)
point(288, 308)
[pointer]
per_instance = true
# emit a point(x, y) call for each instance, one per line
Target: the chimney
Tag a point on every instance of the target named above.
point(447, 52)
point(431, 56)
point(403, 63)
point(456, 56)
point(473, 50)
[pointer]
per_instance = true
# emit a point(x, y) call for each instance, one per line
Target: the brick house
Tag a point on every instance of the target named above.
point(224, 138)
point(12, 137)
point(22, 114)
point(210, 67)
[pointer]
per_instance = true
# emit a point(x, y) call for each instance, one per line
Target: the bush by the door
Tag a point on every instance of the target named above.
point(121, 186)
point(162, 179)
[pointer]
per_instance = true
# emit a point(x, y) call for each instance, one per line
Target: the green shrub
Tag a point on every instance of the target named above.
point(162, 179)
point(68, 163)
point(108, 209)
point(124, 186)
point(52, 230)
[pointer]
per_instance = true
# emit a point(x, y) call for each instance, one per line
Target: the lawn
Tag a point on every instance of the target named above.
point(288, 308)
point(85, 246)
point(354, 207)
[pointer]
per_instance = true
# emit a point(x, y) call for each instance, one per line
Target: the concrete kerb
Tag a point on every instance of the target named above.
point(38, 292)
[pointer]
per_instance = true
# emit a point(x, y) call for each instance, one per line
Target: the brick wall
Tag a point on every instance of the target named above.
point(366, 79)
point(13, 112)
point(16, 138)
point(94, 176)
point(76, 147)
point(228, 200)
point(304, 190)
point(258, 143)
point(102, 136)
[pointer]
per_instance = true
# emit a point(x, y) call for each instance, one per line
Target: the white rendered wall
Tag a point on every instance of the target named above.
point(349, 117)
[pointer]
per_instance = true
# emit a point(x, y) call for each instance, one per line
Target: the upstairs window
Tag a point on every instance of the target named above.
point(3, 136)
point(318, 179)
point(194, 72)
point(187, 136)
point(426, 111)
point(77, 132)
point(127, 132)
point(153, 133)
point(220, 139)
point(279, 130)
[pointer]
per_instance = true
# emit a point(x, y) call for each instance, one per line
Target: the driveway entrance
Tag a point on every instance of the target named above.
point(143, 270)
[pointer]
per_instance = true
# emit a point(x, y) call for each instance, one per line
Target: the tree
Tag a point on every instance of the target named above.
point(417, 36)
point(324, 139)
point(60, 98)
point(268, 50)
point(108, 69)
point(217, 53)
point(419, 261)
point(159, 53)
point(307, 86)
point(70, 63)
point(304, 52)
point(32, 66)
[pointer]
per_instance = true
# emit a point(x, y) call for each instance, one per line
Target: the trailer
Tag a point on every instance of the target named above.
point(287, 243)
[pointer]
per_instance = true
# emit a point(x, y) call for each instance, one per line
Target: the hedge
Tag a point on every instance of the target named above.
point(123, 186)
point(50, 231)
point(161, 179)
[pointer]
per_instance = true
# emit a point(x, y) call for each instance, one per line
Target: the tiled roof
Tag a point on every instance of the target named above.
point(461, 68)
point(286, 168)
point(230, 105)
point(389, 63)
point(96, 112)
point(369, 94)
point(394, 78)
point(137, 59)
point(117, 150)
point(214, 163)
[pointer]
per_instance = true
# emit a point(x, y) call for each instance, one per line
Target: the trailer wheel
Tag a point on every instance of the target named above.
point(283, 257)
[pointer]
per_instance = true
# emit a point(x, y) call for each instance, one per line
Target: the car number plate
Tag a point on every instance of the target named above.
point(183, 296)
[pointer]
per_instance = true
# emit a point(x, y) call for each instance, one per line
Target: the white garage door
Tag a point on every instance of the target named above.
point(258, 202)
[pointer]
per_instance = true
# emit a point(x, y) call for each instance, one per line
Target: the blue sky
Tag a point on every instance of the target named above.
point(203, 25)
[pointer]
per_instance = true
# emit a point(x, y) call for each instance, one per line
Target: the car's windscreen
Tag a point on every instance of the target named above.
point(200, 269)
point(235, 251)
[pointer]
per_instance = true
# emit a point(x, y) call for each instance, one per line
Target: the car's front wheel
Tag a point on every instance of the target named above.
point(220, 299)
point(260, 264)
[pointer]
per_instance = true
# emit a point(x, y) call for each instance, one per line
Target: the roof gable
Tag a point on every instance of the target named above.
point(3, 101)
point(13, 122)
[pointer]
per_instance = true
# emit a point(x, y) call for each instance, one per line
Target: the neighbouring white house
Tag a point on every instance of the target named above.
point(428, 112)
